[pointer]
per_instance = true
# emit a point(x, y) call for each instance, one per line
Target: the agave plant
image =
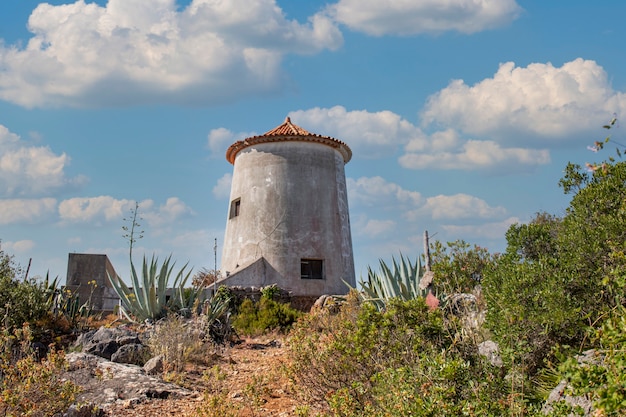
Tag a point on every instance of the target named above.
point(147, 298)
point(401, 281)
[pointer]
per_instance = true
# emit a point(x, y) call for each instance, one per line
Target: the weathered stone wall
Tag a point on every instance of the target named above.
point(292, 205)
point(87, 275)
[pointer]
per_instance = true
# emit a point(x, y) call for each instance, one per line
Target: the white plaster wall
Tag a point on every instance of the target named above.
point(293, 205)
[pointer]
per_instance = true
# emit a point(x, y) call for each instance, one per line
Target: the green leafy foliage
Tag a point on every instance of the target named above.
point(562, 278)
point(459, 267)
point(603, 379)
point(405, 360)
point(28, 386)
point(255, 318)
point(21, 301)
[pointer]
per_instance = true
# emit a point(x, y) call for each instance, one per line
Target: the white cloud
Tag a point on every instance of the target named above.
point(528, 104)
point(26, 210)
point(27, 170)
point(221, 190)
point(477, 154)
point(460, 206)
point(375, 228)
point(107, 208)
point(207, 52)
point(378, 193)
point(18, 247)
point(368, 134)
point(167, 213)
point(89, 209)
point(382, 133)
point(372, 191)
point(221, 138)
point(401, 17)
point(492, 230)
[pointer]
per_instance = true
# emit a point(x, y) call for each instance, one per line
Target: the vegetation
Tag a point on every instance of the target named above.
point(404, 360)
point(401, 281)
point(29, 386)
point(148, 298)
point(459, 267)
point(255, 318)
point(152, 296)
point(558, 290)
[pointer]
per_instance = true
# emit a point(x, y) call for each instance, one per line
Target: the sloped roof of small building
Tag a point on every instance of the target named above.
point(288, 132)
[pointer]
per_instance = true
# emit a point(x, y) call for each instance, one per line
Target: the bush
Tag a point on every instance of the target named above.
point(181, 341)
point(405, 360)
point(29, 387)
point(21, 301)
point(265, 315)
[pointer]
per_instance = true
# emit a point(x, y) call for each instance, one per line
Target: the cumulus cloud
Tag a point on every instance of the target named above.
point(478, 154)
point(379, 193)
point(377, 134)
point(18, 247)
point(375, 228)
point(107, 209)
point(172, 210)
point(205, 53)
point(491, 230)
point(222, 188)
point(367, 133)
point(27, 170)
point(26, 210)
point(89, 209)
point(460, 206)
point(376, 190)
point(400, 17)
point(221, 138)
point(532, 104)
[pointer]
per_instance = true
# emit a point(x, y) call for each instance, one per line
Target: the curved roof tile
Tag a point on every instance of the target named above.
point(288, 132)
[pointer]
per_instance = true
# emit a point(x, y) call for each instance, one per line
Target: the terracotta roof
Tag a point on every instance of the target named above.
point(288, 132)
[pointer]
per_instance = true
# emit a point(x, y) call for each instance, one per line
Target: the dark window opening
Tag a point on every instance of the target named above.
point(312, 269)
point(235, 207)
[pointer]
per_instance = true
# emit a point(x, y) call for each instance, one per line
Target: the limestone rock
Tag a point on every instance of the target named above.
point(154, 366)
point(490, 350)
point(106, 383)
point(134, 353)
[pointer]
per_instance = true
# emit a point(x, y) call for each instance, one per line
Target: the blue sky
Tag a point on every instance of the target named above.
point(461, 115)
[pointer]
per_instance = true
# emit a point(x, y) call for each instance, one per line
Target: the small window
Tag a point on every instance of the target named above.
point(235, 206)
point(312, 269)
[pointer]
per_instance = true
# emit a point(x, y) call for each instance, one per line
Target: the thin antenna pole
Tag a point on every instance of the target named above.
point(215, 269)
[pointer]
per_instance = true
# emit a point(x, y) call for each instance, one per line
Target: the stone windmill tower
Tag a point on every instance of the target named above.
point(288, 221)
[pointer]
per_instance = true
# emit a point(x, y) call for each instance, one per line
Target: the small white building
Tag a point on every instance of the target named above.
point(288, 222)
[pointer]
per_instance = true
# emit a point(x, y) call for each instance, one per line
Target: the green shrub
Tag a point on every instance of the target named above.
point(405, 360)
point(265, 315)
point(181, 341)
point(603, 380)
point(29, 387)
point(21, 301)
point(459, 267)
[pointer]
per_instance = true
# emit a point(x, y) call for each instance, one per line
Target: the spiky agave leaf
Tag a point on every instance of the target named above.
point(147, 299)
point(400, 281)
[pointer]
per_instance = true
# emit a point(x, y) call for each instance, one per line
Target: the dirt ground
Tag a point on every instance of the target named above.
point(245, 380)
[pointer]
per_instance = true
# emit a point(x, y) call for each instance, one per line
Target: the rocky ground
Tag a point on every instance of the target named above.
point(247, 380)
